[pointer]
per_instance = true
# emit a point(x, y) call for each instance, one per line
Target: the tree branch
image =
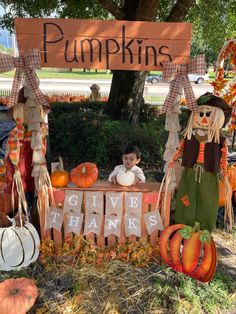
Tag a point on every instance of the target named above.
point(147, 10)
point(179, 10)
point(112, 8)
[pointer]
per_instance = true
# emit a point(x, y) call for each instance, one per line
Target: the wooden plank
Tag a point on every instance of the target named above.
point(122, 238)
point(144, 233)
point(108, 186)
point(120, 45)
point(90, 236)
point(165, 212)
point(154, 235)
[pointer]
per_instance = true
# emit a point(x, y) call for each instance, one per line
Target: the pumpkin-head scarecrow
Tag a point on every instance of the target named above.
point(204, 158)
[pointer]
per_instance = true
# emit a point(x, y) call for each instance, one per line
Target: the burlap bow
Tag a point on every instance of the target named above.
point(179, 76)
point(24, 65)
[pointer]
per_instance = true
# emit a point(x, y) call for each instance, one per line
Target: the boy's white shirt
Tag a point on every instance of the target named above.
point(136, 170)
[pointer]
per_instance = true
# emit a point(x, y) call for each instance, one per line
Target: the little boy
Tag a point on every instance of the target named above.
point(131, 157)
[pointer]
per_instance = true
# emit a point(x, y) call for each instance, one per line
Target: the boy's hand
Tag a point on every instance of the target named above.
point(137, 180)
point(113, 179)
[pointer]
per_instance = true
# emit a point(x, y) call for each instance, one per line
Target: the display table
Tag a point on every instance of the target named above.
point(116, 211)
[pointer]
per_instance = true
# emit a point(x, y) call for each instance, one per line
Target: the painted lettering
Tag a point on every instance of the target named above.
point(93, 224)
point(112, 224)
point(126, 47)
point(131, 224)
point(133, 202)
point(46, 41)
point(109, 51)
point(73, 200)
point(73, 221)
point(90, 42)
point(75, 59)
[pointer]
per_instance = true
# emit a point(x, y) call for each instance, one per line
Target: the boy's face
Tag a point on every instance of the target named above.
point(130, 160)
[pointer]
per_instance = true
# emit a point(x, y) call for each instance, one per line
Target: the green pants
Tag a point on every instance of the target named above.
point(197, 201)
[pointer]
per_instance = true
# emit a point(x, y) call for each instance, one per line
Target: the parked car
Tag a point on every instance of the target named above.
point(196, 78)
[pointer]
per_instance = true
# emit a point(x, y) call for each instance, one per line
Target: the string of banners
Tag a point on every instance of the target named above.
point(92, 217)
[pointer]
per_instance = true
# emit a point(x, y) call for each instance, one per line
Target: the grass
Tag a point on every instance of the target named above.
point(61, 73)
point(121, 288)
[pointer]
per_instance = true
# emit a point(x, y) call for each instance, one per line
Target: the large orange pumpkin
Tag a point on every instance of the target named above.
point(198, 256)
point(17, 296)
point(84, 175)
point(231, 170)
point(222, 194)
point(60, 177)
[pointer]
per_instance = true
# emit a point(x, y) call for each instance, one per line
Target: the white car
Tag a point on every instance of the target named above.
point(196, 78)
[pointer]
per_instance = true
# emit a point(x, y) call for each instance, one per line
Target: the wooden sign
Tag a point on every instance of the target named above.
point(116, 45)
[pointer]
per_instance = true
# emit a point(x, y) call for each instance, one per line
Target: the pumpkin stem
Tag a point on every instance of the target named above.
point(186, 232)
point(83, 170)
point(196, 227)
point(205, 236)
point(61, 165)
point(14, 291)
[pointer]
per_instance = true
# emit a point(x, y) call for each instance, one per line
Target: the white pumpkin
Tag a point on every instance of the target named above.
point(125, 178)
point(19, 246)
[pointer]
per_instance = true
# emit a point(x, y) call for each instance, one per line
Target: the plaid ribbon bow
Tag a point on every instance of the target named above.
point(179, 76)
point(24, 65)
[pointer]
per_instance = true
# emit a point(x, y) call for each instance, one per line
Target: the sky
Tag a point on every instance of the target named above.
point(5, 37)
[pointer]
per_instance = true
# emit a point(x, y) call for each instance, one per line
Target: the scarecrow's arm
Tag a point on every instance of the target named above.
point(178, 153)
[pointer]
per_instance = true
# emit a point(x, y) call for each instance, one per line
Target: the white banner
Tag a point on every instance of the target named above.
point(112, 225)
point(114, 203)
point(73, 201)
point(133, 203)
point(94, 202)
point(73, 222)
point(92, 224)
point(132, 225)
point(54, 219)
point(153, 221)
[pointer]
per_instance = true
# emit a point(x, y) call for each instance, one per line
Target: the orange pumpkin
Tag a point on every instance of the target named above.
point(195, 242)
point(231, 170)
point(222, 194)
point(2, 169)
point(84, 175)
point(17, 295)
point(60, 177)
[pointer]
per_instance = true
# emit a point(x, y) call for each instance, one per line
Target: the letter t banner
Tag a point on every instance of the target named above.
point(54, 219)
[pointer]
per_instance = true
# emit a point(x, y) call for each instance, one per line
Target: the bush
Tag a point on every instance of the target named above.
point(82, 132)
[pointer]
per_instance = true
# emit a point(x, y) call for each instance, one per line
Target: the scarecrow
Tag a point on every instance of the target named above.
point(204, 158)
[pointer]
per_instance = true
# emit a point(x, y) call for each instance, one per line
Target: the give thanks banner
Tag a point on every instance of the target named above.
point(92, 212)
point(115, 45)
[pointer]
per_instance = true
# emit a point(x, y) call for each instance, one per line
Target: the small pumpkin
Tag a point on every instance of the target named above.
point(84, 175)
point(125, 177)
point(60, 177)
point(17, 296)
point(196, 257)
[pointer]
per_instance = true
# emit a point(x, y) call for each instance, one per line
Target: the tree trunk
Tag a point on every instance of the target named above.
point(126, 95)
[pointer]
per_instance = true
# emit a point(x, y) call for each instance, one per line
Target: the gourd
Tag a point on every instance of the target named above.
point(196, 257)
point(125, 178)
point(84, 175)
point(17, 296)
point(60, 177)
point(19, 246)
